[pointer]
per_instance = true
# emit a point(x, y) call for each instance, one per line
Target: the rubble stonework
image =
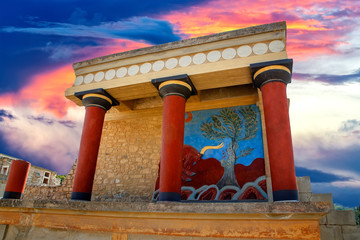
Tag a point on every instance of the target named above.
point(38, 177)
point(60, 192)
point(128, 159)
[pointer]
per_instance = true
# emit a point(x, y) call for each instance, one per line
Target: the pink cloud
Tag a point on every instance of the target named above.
point(313, 27)
point(45, 91)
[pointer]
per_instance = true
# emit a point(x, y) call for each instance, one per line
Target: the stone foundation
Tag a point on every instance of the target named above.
point(112, 220)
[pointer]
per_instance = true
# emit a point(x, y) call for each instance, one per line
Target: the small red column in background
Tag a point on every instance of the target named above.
point(96, 104)
point(17, 177)
point(174, 91)
point(272, 78)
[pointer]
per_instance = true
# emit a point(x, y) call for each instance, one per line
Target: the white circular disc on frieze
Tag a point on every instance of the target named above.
point(110, 74)
point(244, 51)
point(171, 63)
point(121, 72)
point(260, 48)
point(78, 80)
point(213, 56)
point(158, 65)
point(185, 61)
point(99, 76)
point(199, 58)
point(145, 68)
point(229, 53)
point(88, 78)
point(276, 46)
point(134, 69)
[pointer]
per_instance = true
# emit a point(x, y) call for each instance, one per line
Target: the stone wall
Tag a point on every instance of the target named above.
point(60, 192)
point(128, 159)
point(36, 177)
point(336, 225)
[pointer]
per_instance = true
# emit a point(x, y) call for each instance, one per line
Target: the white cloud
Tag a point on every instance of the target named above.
point(44, 139)
point(318, 108)
point(351, 184)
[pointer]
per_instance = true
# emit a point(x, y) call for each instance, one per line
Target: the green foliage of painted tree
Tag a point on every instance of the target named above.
point(357, 215)
point(237, 126)
point(62, 178)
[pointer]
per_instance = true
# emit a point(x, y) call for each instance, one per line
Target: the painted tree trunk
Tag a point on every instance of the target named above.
point(229, 169)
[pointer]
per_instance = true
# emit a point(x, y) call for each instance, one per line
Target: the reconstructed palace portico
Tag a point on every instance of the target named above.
point(184, 140)
point(217, 71)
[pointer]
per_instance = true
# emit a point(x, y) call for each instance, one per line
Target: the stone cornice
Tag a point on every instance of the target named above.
point(185, 43)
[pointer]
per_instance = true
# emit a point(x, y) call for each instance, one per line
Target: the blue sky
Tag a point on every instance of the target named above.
point(39, 41)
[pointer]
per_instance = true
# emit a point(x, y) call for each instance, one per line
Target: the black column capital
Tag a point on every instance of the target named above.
point(97, 98)
point(180, 85)
point(272, 71)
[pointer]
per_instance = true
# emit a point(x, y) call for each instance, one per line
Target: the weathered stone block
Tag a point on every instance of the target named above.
point(304, 184)
point(343, 217)
point(323, 220)
point(305, 196)
point(351, 232)
point(322, 197)
point(2, 231)
point(330, 233)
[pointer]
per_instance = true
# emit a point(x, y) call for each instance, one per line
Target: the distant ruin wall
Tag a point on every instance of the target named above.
point(61, 192)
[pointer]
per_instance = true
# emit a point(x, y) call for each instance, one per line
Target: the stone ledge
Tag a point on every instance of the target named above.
point(285, 220)
point(322, 197)
point(281, 210)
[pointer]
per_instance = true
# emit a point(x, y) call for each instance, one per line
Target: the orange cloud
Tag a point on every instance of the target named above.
point(309, 23)
point(45, 91)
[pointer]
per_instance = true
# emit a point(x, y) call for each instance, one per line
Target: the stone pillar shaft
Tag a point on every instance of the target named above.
point(96, 104)
point(279, 141)
point(88, 153)
point(172, 147)
point(272, 78)
point(174, 92)
point(16, 180)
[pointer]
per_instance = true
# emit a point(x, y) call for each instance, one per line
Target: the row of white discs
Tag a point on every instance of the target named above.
point(184, 61)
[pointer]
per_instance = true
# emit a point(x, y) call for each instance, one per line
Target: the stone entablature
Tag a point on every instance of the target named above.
point(222, 54)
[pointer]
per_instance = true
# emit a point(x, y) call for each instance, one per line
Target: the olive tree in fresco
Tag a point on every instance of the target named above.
point(237, 126)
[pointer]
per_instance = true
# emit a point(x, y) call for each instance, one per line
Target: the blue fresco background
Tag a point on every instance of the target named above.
point(193, 136)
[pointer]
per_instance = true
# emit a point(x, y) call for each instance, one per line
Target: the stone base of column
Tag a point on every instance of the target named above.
point(80, 196)
point(13, 195)
point(285, 195)
point(170, 196)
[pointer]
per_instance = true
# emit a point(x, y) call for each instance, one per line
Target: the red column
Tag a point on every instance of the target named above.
point(16, 181)
point(272, 78)
point(171, 148)
point(174, 91)
point(96, 107)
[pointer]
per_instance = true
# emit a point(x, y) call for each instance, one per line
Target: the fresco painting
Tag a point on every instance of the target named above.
point(223, 156)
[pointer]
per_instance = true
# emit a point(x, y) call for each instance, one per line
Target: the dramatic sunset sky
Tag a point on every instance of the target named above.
point(39, 41)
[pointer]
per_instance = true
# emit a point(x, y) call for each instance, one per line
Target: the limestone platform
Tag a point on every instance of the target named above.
point(166, 220)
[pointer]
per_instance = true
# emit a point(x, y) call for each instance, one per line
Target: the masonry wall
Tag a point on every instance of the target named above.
point(128, 159)
point(60, 192)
